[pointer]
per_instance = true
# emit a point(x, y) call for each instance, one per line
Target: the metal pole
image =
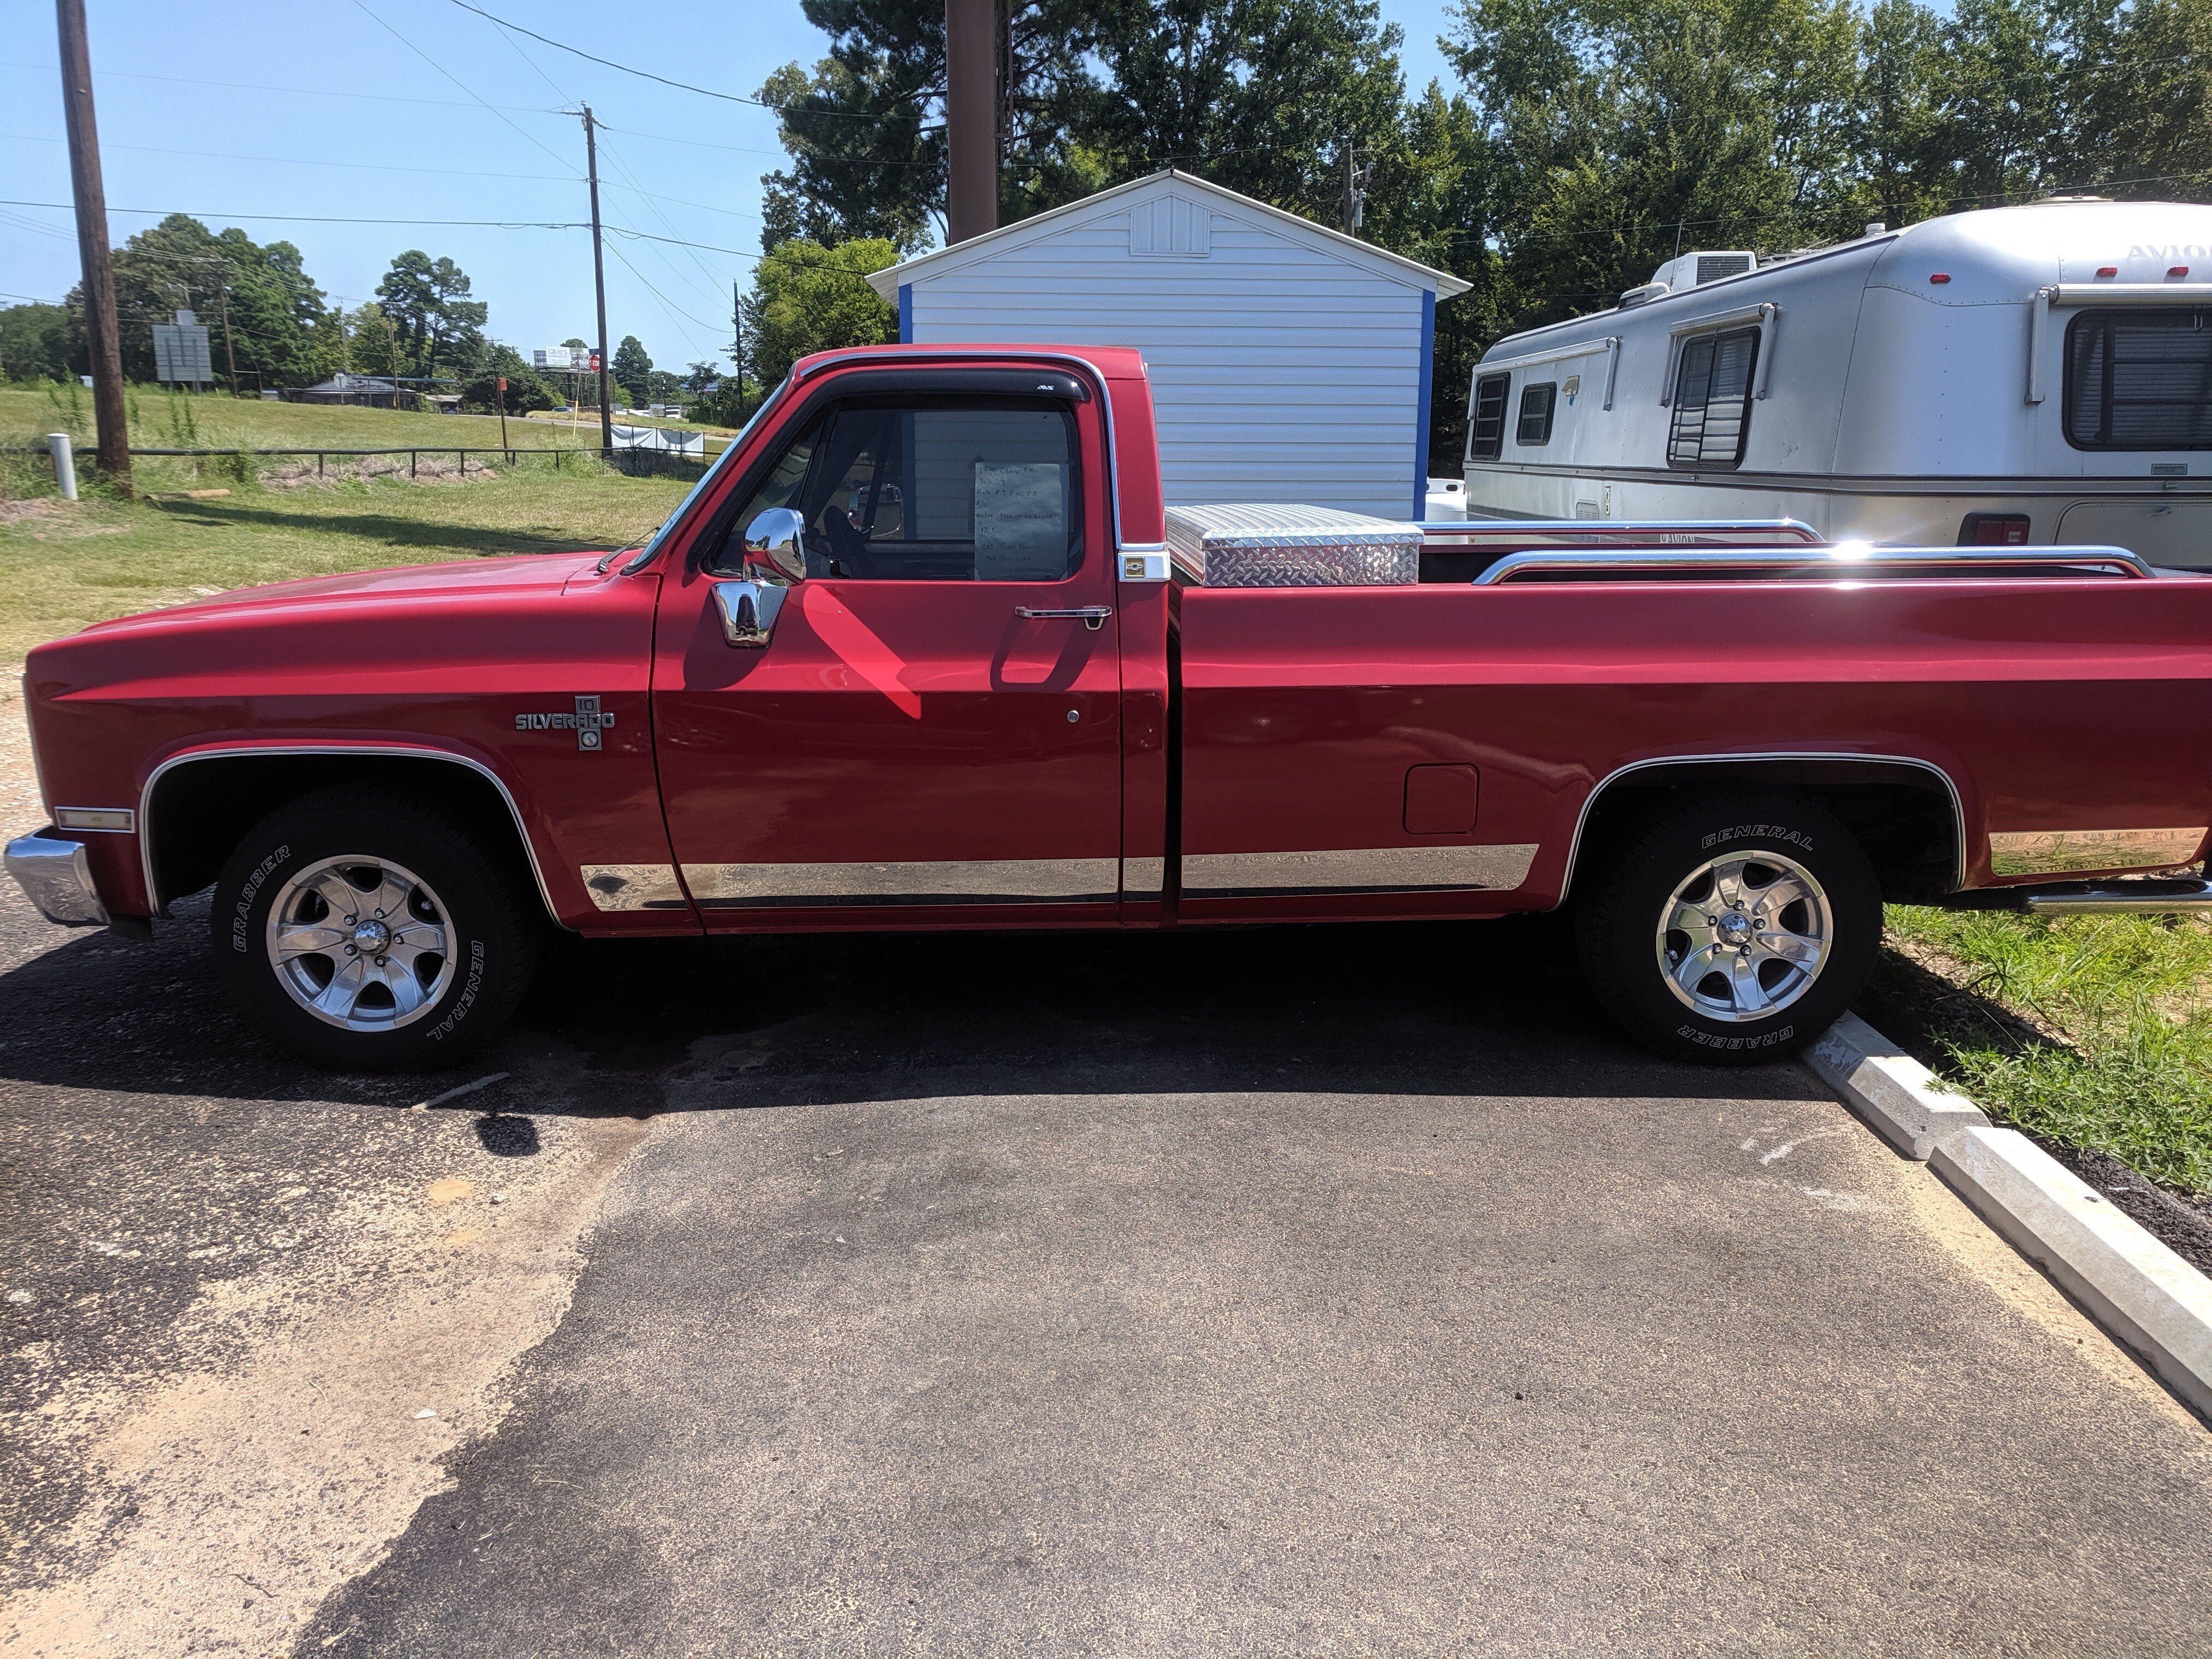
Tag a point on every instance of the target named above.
point(101, 330)
point(971, 75)
point(57, 445)
point(599, 284)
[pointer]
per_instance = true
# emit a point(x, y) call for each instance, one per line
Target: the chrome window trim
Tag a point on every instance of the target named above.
point(1950, 788)
point(264, 750)
point(904, 353)
point(1839, 562)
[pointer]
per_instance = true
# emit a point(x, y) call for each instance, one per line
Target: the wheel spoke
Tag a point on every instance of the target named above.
point(389, 899)
point(1693, 970)
point(1793, 948)
point(339, 996)
point(406, 989)
point(343, 897)
point(1728, 885)
point(308, 939)
point(1779, 894)
point(1744, 989)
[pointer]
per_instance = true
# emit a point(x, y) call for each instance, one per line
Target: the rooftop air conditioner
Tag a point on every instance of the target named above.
point(1695, 270)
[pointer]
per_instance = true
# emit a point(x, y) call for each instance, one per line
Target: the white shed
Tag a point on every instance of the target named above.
point(1289, 363)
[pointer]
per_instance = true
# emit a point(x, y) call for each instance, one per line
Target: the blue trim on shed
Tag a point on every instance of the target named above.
point(1421, 409)
point(906, 313)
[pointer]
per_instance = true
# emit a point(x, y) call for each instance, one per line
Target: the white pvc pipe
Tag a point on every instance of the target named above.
point(57, 445)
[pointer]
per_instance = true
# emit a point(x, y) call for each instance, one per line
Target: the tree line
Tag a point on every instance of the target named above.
point(1582, 143)
point(282, 331)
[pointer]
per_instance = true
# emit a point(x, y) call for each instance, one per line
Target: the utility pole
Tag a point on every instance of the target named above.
point(971, 118)
point(101, 330)
point(1356, 177)
point(737, 343)
point(599, 287)
point(229, 357)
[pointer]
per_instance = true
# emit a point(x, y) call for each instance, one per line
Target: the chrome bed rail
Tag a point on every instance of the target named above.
point(1841, 561)
point(1651, 532)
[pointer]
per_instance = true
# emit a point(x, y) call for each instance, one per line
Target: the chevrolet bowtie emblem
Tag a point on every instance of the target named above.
point(587, 722)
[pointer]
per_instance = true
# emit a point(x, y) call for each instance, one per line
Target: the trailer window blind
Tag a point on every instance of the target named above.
point(2140, 380)
point(1712, 400)
point(1535, 423)
point(1485, 431)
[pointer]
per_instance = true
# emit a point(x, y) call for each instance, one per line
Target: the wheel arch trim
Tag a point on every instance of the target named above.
point(1761, 756)
point(278, 750)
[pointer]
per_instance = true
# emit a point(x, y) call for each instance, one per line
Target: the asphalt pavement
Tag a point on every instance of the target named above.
point(1329, 1291)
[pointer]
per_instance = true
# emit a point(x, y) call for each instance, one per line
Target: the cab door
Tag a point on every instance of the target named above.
point(930, 734)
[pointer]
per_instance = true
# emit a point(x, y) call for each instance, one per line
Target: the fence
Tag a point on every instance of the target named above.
point(631, 463)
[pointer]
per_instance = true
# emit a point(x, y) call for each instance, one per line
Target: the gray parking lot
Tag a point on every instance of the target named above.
point(1332, 1290)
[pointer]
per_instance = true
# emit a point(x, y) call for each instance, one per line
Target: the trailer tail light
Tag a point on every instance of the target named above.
point(1941, 276)
point(2176, 270)
point(2108, 270)
point(1993, 530)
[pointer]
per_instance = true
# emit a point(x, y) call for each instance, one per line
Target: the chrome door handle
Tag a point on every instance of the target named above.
point(1092, 616)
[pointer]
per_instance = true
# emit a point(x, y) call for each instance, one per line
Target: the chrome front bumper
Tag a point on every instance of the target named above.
point(57, 876)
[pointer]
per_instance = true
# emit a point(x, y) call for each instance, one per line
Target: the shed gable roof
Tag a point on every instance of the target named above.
point(1320, 239)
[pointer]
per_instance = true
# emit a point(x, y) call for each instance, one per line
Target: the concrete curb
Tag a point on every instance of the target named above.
point(2138, 1289)
point(1896, 1095)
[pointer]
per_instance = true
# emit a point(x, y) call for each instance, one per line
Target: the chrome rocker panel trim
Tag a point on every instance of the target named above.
point(952, 881)
point(56, 876)
point(1357, 870)
point(262, 751)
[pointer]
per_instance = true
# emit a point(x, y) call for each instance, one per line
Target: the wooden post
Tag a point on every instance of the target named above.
point(599, 285)
point(100, 327)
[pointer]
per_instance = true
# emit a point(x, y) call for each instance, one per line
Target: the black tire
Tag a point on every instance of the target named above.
point(467, 991)
point(1634, 965)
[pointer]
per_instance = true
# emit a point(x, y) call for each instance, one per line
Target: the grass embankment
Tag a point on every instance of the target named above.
point(70, 563)
point(2116, 1055)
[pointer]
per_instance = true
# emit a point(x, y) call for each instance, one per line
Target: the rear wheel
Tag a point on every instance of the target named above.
point(366, 932)
point(1736, 930)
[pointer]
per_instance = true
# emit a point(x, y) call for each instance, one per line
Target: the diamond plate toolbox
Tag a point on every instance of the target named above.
point(1267, 545)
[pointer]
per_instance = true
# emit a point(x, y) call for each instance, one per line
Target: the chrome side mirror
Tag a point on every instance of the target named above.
point(774, 558)
point(775, 544)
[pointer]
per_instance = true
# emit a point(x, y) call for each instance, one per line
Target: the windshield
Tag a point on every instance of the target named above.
point(706, 481)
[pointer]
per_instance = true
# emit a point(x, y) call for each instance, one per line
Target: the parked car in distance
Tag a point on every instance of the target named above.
point(924, 650)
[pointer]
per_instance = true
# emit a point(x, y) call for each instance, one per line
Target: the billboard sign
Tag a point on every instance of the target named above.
point(180, 351)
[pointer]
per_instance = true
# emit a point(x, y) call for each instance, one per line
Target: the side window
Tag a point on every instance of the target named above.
point(1485, 419)
point(2139, 379)
point(1712, 400)
point(1534, 427)
point(944, 489)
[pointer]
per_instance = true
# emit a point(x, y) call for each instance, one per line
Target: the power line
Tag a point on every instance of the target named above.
point(304, 160)
point(681, 86)
point(448, 74)
point(304, 92)
point(324, 219)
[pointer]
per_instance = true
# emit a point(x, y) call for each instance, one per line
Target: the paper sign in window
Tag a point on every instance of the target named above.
point(1021, 521)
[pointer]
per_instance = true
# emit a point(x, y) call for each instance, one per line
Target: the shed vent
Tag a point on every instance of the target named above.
point(1169, 227)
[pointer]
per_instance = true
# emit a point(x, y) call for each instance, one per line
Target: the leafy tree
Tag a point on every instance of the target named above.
point(525, 390)
point(700, 378)
point(36, 344)
point(440, 328)
point(808, 298)
point(631, 369)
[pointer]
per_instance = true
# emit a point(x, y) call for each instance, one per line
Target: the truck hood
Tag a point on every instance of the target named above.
point(424, 625)
point(515, 573)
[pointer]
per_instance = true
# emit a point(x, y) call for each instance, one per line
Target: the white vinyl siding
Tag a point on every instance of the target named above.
point(1279, 372)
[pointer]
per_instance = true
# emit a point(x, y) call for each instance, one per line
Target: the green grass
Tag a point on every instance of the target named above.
point(2125, 997)
point(164, 419)
point(70, 563)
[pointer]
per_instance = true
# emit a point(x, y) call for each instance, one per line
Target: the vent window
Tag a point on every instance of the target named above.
point(1712, 400)
point(1485, 423)
point(1534, 427)
point(2140, 380)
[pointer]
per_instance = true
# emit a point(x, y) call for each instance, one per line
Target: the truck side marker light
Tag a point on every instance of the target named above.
point(2108, 270)
point(1941, 276)
point(856, 643)
point(2176, 270)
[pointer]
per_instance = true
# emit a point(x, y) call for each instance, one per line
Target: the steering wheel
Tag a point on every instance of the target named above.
point(847, 545)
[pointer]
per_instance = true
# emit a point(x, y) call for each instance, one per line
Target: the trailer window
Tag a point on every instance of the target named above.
point(1485, 424)
point(1535, 423)
point(2140, 380)
point(1712, 400)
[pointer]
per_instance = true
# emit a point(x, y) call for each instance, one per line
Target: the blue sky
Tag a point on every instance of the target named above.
point(416, 110)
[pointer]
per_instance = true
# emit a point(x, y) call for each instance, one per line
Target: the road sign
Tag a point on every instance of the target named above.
point(180, 351)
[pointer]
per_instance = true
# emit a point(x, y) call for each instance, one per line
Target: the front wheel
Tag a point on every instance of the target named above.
point(366, 934)
point(1736, 930)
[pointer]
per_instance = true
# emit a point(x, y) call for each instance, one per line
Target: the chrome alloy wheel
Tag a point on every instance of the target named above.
point(1743, 938)
point(360, 943)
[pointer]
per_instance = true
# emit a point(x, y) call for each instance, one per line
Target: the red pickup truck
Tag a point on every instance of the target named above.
point(916, 653)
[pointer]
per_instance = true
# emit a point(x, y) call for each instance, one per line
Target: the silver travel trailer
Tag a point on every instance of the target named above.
point(2017, 376)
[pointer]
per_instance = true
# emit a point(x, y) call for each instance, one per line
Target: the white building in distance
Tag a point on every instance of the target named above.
point(1290, 362)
